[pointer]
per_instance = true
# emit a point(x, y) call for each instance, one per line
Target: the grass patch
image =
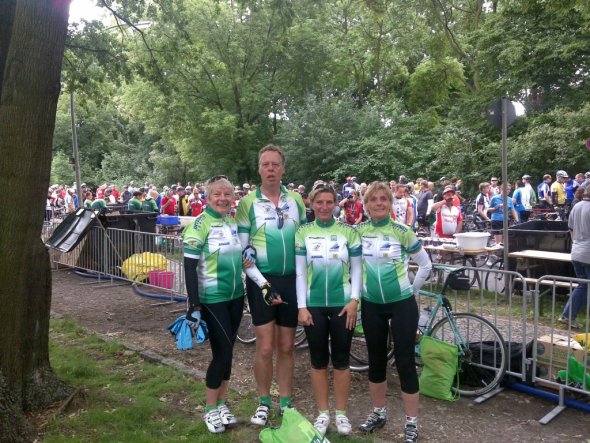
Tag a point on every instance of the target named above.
point(127, 399)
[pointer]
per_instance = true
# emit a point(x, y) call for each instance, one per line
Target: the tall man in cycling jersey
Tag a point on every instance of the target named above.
point(267, 220)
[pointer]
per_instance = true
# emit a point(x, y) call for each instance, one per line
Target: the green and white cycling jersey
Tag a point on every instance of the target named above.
point(271, 230)
point(386, 247)
point(327, 249)
point(213, 240)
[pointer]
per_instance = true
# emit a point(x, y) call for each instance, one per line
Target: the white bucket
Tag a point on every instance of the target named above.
point(472, 241)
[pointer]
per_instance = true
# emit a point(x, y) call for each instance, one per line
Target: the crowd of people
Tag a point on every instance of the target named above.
point(422, 205)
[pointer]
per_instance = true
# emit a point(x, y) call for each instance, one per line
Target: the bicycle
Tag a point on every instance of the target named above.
point(495, 281)
point(247, 331)
point(480, 346)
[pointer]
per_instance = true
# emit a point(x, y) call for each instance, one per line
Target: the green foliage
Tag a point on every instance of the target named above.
point(62, 170)
point(331, 81)
point(433, 84)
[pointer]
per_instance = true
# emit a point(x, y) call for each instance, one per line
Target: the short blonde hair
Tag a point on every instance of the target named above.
point(219, 183)
point(375, 187)
point(272, 148)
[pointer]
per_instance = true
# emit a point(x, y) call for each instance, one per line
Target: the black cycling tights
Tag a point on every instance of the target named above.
point(404, 323)
point(328, 336)
point(223, 320)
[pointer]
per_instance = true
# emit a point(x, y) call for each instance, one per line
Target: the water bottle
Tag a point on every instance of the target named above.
point(424, 317)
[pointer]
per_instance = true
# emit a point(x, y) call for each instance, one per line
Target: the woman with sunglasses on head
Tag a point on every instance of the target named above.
point(213, 274)
point(328, 267)
point(389, 305)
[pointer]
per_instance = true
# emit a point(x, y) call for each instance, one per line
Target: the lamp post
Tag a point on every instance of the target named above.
point(75, 151)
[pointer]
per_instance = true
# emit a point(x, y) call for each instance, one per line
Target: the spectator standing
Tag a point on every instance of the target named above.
point(449, 219)
point(558, 195)
point(88, 201)
point(497, 210)
point(168, 203)
point(182, 203)
point(524, 198)
point(494, 188)
point(424, 206)
point(353, 208)
point(99, 204)
point(135, 204)
point(149, 204)
point(579, 225)
point(544, 192)
point(402, 206)
point(347, 187)
point(69, 200)
point(482, 203)
point(127, 195)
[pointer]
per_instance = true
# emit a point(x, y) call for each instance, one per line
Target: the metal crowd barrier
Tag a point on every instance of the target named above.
point(505, 298)
point(103, 252)
point(560, 354)
point(538, 345)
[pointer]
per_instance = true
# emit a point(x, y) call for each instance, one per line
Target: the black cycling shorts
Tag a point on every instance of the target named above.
point(283, 314)
point(497, 226)
point(328, 337)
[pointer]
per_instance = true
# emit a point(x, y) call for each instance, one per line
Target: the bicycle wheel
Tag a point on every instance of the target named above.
point(359, 354)
point(495, 281)
point(483, 364)
point(300, 337)
point(246, 332)
point(473, 275)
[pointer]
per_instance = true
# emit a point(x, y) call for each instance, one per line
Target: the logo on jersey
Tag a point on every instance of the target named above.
point(335, 247)
point(334, 238)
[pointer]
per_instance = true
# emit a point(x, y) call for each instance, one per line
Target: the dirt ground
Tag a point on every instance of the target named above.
point(117, 311)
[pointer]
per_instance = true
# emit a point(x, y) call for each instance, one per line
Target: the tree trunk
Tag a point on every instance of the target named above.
point(32, 38)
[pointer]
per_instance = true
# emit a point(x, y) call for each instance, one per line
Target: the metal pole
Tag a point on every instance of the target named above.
point(75, 152)
point(505, 178)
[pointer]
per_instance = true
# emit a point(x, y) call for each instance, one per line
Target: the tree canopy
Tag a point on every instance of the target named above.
point(181, 90)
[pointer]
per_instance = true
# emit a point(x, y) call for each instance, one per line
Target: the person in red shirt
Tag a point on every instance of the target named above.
point(169, 204)
point(449, 219)
point(196, 203)
point(353, 208)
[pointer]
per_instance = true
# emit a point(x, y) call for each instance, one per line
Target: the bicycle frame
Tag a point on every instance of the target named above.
point(442, 302)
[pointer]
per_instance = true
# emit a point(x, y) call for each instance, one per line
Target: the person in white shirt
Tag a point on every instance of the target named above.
point(494, 188)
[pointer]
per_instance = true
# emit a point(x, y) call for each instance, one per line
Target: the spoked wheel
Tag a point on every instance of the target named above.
point(300, 337)
point(484, 362)
point(359, 355)
point(246, 331)
point(474, 278)
point(496, 281)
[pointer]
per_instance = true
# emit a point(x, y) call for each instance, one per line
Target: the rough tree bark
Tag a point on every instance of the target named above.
point(32, 38)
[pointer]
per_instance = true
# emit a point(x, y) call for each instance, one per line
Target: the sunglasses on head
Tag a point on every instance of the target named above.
point(322, 186)
point(217, 178)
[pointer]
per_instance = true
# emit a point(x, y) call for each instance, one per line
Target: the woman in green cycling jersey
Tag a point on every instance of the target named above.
point(213, 273)
point(389, 305)
point(328, 265)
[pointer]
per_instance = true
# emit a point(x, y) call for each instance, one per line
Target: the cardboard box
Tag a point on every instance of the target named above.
point(552, 354)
